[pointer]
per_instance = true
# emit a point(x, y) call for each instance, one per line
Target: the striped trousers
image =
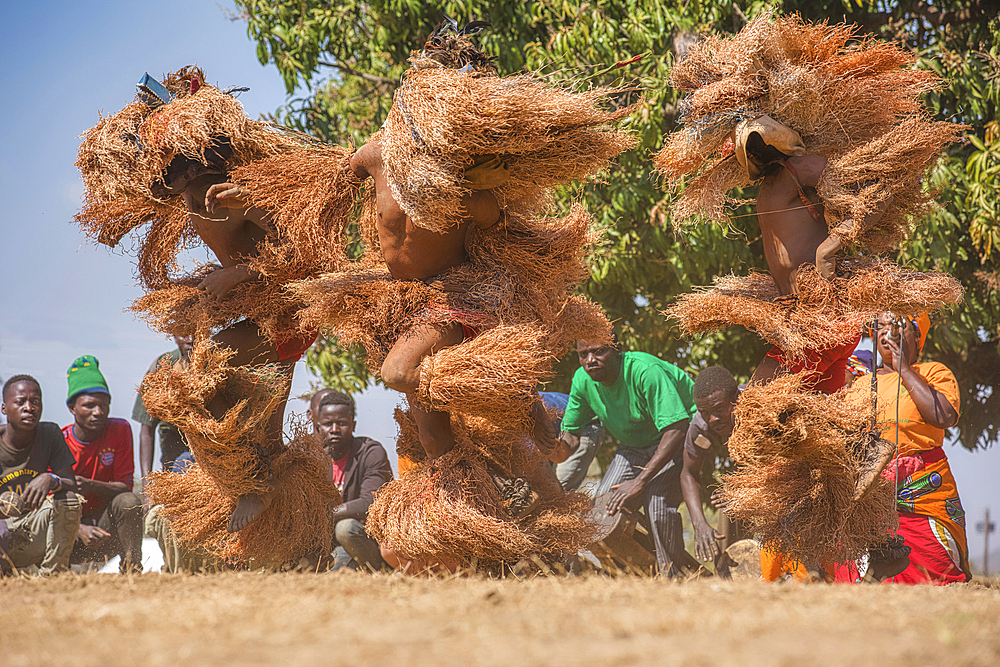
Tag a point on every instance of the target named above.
point(662, 496)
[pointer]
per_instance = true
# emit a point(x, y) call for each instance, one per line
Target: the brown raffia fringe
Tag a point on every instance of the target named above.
point(854, 102)
point(450, 507)
point(230, 460)
point(308, 187)
point(181, 309)
point(546, 136)
point(799, 457)
point(225, 447)
point(296, 523)
point(889, 169)
point(493, 375)
point(519, 272)
point(825, 313)
point(314, 196)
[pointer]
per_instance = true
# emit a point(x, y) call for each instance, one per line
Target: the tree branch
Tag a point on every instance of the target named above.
point(384, 80)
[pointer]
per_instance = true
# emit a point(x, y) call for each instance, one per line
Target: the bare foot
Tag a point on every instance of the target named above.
point(248, 508)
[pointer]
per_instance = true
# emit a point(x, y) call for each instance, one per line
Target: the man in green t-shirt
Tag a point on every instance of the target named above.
point(645, 403)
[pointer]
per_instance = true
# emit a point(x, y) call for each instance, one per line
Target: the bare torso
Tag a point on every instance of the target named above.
point(411, 252)
point(789, 232)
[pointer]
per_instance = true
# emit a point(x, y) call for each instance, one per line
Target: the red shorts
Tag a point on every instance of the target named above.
point(293, 348)
point(828, 367)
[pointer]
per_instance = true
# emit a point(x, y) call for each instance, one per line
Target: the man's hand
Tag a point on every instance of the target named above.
point(625, 495)
point(91, 533)
point(826, 264)
point(706, 542)
point(826, 253)
point(716, 498)
point(225, 195)
point(219, 282)
point(83, 484)
point(34, 494)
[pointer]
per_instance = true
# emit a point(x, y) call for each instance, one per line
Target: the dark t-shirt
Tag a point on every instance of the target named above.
point(47, 452)
point(700, 442)
point(172, 442)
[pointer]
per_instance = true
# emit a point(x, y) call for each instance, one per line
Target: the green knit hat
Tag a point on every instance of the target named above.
point(85, 376)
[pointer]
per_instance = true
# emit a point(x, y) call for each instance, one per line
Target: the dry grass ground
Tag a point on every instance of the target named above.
point(352, 619)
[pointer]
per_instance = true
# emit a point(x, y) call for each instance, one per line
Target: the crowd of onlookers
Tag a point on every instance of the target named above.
point(67, 493)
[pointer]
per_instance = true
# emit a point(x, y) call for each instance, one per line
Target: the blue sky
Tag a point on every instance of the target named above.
point(62, 63)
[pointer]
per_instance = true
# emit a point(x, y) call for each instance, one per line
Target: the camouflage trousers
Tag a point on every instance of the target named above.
point(44, 537)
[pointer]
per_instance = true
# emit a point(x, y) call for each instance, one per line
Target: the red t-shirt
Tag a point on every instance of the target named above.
point(339, 468)
point(107, 459)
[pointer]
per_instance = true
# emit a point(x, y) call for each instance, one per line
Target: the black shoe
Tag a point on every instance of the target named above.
point(887, 560)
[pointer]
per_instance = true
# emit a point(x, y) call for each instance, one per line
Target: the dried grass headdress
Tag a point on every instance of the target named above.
point(857, 104)
point(444, 121)
point(124, 161)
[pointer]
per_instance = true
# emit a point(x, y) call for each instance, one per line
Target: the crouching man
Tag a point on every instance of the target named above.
point(359, 468)
point(112, 515)
point(36, 528)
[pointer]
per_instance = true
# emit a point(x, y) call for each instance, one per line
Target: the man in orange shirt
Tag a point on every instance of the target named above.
point(931, 518)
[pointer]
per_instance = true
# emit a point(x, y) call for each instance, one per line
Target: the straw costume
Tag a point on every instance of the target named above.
point(456, 128)
point(802, 459)
point(135, 165)
point(782, 87)
point(124, 161)
point(451, 506)
point(780, 96)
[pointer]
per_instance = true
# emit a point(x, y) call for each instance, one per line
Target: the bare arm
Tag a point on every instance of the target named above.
point(671, 440)
point(36, 490)
point(934, 408)
point(147, 435)
point(705, 545)
point(103, 489)
point(826, 262)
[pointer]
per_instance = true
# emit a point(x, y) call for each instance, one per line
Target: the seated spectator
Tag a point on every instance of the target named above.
point(359, 468)
point(178, 556)
point(715, 395)
point(112, 515)
point(172, 442)
point(573, 470)
point(37, 466)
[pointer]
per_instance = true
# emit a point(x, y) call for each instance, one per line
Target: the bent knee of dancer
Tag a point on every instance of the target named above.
point(127, 502)
point(400, 375)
